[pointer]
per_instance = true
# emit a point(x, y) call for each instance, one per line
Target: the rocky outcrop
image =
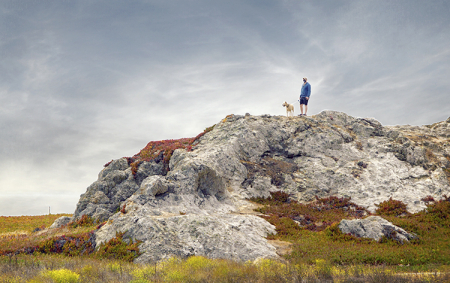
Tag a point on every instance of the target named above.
point(115, 184)
point(375, 227)
point(198, 203)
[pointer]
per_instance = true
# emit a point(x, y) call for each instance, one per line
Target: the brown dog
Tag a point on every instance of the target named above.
point(289, 109)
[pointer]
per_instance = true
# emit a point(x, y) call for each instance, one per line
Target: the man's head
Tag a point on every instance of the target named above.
point(304, 80)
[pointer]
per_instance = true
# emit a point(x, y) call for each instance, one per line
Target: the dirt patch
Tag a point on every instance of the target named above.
point(249, 209)
point(283, 248)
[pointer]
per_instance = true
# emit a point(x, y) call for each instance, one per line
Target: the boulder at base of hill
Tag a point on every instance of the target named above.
point(374, 227)
point(61, 221)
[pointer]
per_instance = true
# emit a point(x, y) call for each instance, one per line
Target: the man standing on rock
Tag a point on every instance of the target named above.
point(304, 96)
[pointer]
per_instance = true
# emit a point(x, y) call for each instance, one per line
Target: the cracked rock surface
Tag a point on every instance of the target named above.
point(199, 206)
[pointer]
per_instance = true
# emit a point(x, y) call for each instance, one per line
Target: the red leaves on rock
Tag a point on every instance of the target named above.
point(163, 150)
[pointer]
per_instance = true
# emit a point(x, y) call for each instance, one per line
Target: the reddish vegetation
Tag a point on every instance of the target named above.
point(84, 221)
point(428, 199)
point(440, 209)
point(123, 209)
point(70, 245)
point(82, 244)
point(316, 216)
point(391, 207)
point(117, 248)
point(162, 151)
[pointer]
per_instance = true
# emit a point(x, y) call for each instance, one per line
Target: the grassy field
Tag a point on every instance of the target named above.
point(57, 268)
point(320, 253)
point(26, 224)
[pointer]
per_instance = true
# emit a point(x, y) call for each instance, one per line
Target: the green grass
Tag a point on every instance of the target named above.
point(26, 224)
point(117, 248)
point(56, 268)
point(320, 253)
point(315, 216)
point(311, 241)
point(74, 239)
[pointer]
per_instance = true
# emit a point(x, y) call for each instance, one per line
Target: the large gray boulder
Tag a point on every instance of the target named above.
point(231, 236)
point(375, 227)
point(200, 205)
point(61, 221)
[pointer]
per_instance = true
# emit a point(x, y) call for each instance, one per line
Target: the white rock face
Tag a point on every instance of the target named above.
point(231, 236)
point(197, 206)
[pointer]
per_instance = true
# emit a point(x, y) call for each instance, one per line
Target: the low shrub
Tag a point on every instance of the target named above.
point(313, 230)
point(118, 248)
point(84, 221)
point(162, 151)
point(61, 275)
point(334, 233)
point(427, 199)
point(269, 268)
point(391, 207)
point(284, 226)
point(289, 216)
point(82, 244)
point(143, 273)
point(276, 198)
point(195, 263)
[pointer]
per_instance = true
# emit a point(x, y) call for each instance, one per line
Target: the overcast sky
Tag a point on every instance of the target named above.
point(84, 82)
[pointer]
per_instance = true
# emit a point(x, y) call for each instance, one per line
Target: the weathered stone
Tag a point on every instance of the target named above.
point(115, 184)
point(154, 185)
point(196, 206)
point(61, 221)
point(238, 237)
point(149, 169)
point(375, 227)
point(119, 164)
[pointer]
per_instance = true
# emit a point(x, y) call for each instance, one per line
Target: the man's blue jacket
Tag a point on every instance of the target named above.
point(306, 90)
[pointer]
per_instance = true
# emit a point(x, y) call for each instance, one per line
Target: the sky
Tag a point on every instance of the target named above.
point(84, 82)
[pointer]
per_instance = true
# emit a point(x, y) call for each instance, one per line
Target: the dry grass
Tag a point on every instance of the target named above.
point(313, 256)
point(51, 268)
point(26, 224)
